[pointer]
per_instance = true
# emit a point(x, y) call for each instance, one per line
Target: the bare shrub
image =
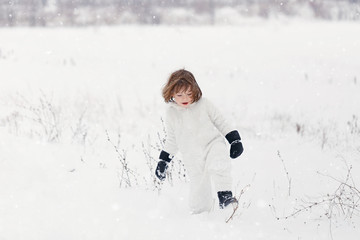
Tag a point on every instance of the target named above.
point(354, 125)
point(286, 172)
point(176, 170)
point(342, 202)
point(43, 115)
point(80, 130)
point(151, 162)
point(244, 205)
point(12, 122)
point(127, 176)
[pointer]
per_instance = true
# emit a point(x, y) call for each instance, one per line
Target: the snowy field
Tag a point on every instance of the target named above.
point(77, 103)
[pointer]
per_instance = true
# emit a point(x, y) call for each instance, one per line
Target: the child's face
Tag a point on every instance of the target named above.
point(183, 98)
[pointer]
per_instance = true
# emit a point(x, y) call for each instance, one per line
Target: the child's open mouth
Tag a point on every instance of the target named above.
point(185, 103)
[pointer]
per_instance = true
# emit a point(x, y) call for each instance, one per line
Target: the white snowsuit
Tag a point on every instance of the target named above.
point(198, 133)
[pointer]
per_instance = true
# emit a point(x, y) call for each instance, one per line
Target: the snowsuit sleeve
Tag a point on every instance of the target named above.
point(170, 142)
point(218, 119)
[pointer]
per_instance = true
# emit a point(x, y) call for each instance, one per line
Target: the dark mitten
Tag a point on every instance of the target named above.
point(160, 171)
point(236, 147)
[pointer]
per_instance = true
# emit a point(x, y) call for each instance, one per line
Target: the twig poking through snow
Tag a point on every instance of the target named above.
point(237, 205)
point(286, 172)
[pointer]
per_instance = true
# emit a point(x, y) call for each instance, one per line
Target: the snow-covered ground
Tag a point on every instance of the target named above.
point(292, 88)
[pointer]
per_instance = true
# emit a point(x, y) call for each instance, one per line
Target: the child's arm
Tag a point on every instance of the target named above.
point(218, 119)
point(170, 148)
point(228, 131)
point(170, 141)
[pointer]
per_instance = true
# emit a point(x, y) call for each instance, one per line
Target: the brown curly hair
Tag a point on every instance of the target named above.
point(181, 80)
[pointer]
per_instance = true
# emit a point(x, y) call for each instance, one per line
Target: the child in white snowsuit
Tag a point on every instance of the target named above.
point(197, 129)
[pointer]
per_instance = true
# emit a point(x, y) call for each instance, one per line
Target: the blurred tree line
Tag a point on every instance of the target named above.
point(112, 12)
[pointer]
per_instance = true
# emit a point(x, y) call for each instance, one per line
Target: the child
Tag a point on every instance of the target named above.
point(197, 129)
